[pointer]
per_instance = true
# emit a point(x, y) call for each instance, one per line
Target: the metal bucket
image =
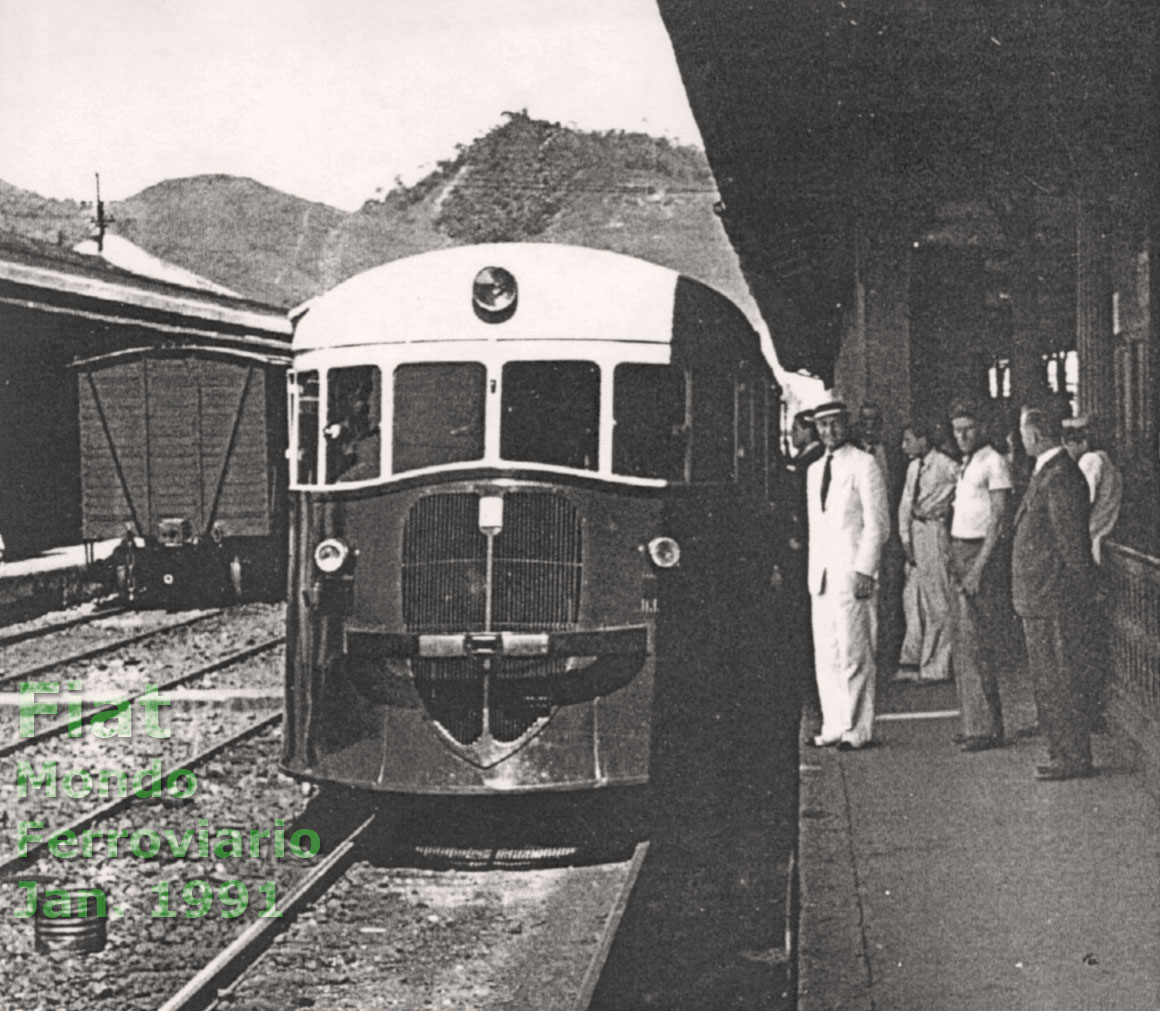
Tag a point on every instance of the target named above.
point(78, 933)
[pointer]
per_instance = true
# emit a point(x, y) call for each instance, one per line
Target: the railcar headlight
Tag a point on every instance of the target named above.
point(494, 294)
point(331, 555)
point(664, 552)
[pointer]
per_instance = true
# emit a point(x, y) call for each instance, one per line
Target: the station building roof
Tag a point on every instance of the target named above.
point(41, 276)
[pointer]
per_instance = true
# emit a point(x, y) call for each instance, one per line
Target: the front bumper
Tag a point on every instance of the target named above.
point(370, 644)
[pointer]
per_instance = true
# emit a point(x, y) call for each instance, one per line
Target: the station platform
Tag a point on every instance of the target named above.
point(48, 581)
point(934, 880)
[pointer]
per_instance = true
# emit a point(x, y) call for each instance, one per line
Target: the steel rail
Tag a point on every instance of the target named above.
point(46, 630)
point(90, 654)
point(608, 933)
point(229, 964)
point(33, 851)
point(218, 979)
point(59, 728)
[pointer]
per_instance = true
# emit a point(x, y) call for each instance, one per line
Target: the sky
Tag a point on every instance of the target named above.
point(330, 100)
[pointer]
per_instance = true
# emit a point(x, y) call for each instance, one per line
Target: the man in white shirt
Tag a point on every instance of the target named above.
point(982, 506)
point(1105, 484)
point(848, 524)
point(922, 525)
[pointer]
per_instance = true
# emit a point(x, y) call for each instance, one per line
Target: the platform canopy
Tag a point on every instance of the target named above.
point(832, 123)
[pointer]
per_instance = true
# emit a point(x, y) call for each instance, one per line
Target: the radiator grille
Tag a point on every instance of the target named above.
point(444, 565)
point(537, 566)
point(537, 571)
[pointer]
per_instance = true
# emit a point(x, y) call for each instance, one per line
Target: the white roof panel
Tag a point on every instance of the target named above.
point(565, 293)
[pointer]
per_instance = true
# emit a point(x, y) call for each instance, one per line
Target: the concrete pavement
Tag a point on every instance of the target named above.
point(933, 879)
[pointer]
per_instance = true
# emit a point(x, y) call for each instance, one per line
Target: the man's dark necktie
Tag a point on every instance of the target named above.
point(826, 477)
point(917, 481)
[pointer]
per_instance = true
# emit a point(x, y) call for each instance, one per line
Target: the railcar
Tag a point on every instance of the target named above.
point(530, 492)
point(183, 457)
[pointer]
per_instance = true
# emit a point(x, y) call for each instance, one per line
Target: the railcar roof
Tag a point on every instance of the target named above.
point(565, 293)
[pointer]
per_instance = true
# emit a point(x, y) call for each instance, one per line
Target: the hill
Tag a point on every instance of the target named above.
point(61, 222)
point(531, 180)
point(525, 180)
point(254, 239)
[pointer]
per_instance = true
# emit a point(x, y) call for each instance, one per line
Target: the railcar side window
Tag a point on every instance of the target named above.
point(651, 436)
point(306, 393)
point(353, 414)
point(551, 413)
point(439, 412)
point(714, 432)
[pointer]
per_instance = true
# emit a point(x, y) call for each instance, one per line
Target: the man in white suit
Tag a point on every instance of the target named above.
point(849, 522)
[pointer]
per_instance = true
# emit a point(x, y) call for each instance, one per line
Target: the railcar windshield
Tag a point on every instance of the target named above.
point(305, 393)
point(650, 421)
point(551, 413)
point(353, 413)
point(438, 414)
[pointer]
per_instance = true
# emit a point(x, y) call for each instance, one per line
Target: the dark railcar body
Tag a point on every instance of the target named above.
point(503, 621)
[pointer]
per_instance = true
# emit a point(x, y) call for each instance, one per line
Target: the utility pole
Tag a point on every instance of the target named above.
point(100, 220)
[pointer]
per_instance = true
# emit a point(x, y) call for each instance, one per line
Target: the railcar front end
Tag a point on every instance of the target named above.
point(527, 485)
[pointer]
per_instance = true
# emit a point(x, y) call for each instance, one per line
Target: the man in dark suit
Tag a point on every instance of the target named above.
point(1052, 580)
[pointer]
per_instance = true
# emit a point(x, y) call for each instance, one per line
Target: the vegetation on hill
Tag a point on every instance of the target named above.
point(510, 184)
point(59, 222)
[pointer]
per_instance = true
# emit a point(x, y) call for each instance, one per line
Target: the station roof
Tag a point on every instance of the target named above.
point(41, 275)
point(833, 123)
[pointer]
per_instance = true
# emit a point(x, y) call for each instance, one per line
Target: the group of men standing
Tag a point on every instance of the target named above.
point(972, 553)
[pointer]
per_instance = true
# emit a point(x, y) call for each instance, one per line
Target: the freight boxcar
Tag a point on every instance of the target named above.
point(183, 457)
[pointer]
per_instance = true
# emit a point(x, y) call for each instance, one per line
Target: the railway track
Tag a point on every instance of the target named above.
point(56, 729)
point(570, 954)
point(8, 681)
point(17, 862)
point(226, 967)
point(150, 952)
point(43, 631)
point(30, 757)
point(566, 919)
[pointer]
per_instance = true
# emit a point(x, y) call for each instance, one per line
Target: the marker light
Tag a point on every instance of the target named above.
point(664, 551)
point(491, 515)
point(494, 294)
point(331, 555)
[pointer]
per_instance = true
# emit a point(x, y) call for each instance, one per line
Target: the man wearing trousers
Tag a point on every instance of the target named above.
point(979, 577)
point(1051, 585)
point(848, 525)
point(922, 525)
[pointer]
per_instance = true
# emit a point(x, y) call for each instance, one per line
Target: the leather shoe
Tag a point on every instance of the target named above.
point(821, 742)
point(981, 743)
point(1056, 773)
point(851, 746)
